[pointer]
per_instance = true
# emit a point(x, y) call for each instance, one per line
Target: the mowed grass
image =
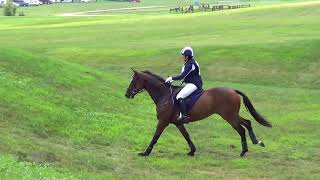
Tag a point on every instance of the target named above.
point(63, 79)
point(59, 8)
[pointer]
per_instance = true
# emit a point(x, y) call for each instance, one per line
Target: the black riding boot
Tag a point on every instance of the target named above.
point(183, 110)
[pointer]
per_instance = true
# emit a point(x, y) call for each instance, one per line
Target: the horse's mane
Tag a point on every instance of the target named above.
point(158, 77)
point(154, 75)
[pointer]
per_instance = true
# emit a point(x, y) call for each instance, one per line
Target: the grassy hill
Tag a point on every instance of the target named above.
point(63, 112)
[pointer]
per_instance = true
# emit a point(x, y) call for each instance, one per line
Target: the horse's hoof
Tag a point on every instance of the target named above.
point(243, 153)
point(191, 153)
point(143, 154)
point(260, 143)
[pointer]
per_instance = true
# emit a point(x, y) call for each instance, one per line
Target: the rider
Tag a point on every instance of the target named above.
point(190, 74)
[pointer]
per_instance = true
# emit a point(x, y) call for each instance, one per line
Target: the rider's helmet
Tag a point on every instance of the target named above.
point(187, 51)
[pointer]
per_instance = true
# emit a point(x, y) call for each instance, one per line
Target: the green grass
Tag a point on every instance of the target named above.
point(59, 8)
point(63, 112)
point(11, 169)
point(55, 9)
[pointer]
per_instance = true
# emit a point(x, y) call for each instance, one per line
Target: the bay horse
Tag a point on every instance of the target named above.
point(223, 101)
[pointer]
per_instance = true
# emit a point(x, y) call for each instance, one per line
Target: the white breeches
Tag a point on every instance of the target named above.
point(187, 90)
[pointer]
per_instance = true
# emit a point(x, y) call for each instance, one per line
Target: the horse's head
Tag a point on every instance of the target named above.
point(136, 85)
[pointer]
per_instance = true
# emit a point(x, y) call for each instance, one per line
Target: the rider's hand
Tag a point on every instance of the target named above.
point(169, 80)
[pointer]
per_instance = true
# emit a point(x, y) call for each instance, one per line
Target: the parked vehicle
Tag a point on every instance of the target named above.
point(66, 1)
point(34, 2)
point(15, 4)
point(86, 1)
point(21, 3)
point(47, 1)
point(2, 2)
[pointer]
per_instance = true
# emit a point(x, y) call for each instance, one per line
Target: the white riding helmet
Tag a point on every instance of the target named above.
point(187, 51)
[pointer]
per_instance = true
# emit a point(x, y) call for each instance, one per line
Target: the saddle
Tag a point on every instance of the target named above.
point(190, 100)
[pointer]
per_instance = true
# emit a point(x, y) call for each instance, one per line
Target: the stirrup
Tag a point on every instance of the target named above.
point(183, 118)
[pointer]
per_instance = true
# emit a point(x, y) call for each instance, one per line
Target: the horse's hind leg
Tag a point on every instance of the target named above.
point(235, 123)
point(185, 134)
point(247, 124)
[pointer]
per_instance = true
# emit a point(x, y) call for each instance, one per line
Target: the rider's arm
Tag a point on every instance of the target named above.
point(187, 69)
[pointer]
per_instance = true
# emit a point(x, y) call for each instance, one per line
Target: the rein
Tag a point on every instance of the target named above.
point(168, 101)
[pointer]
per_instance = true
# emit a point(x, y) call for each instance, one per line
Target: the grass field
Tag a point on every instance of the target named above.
point(63, 113)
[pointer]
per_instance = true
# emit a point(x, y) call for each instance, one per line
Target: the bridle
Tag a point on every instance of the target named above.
point(170, 99)
point(134, 90)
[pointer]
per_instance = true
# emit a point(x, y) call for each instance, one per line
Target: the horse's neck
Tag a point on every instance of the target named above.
point(157, 91)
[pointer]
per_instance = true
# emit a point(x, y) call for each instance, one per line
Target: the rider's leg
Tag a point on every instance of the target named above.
point(183, 109)
point(185, 92)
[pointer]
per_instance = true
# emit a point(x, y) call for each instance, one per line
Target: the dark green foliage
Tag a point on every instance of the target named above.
point(21, 14)
point(9, 9)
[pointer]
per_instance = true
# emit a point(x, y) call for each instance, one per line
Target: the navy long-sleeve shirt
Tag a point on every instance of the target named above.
point(190, 73)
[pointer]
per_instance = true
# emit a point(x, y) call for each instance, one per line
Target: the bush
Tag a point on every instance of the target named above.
point(21, 14)
point(9, 9)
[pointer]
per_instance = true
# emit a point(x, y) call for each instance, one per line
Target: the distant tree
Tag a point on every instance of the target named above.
point(9, 9)
point(21, 14)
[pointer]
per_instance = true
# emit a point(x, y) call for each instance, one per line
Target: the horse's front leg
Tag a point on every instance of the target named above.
point(160, 127)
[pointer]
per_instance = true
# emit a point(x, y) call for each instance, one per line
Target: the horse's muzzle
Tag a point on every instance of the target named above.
point(129, 96)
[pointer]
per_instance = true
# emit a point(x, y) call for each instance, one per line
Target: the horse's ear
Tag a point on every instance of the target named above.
point(134, 70)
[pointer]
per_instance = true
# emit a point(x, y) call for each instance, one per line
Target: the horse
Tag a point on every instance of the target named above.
point(222, 101)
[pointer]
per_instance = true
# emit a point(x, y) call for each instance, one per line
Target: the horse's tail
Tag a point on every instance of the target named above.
point(259, 118)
